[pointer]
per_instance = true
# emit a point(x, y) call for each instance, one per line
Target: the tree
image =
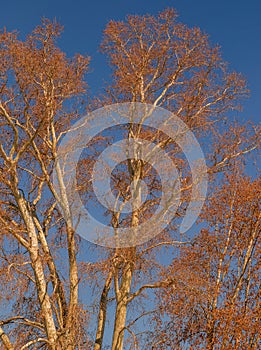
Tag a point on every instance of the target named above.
point(155, 60)
point(216, 301)
point(37, 81)
point(159, 61)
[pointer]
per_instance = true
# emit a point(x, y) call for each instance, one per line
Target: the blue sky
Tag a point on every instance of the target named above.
point(234, 25)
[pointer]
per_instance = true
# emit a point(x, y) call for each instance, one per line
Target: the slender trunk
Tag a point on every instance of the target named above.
point(102, 313)
point(121, 308)
point(69, 342)
point(5, 340)
point(38, 269)
point(72, 318)
point(135, 167)
point(58, 288)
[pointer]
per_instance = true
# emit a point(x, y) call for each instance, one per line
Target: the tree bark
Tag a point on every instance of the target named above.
point(6, 341)
point(121, 308)
point(135, 167)
point(102, 313)
point(39, 273)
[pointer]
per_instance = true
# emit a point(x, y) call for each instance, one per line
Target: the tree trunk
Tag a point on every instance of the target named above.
point(135, 167)
point(5, 339)
point(69, 341)
point(38, 269)
point(102, 313)
point(121, 308)
point(72, 318)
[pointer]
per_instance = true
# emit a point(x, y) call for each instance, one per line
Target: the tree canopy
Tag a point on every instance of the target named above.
point(199, 290)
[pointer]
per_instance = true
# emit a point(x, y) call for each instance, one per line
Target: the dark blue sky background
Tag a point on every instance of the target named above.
point(234, 25)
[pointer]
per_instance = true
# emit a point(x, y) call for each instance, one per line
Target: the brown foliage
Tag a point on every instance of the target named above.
point(215, 300)
point(210, 290)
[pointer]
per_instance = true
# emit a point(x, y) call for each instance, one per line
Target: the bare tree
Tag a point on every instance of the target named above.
point(37, 80)
point(157, 61)
point(160, 61)
point(216, 300)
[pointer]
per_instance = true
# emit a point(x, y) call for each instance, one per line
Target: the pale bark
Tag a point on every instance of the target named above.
point(38, 272)
point(121, 308)
point(58, 288)
point(74, 281)
point(5, 340)
point(122, 292)
point(71, 317)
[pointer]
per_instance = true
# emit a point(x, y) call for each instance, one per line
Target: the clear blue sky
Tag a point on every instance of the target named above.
point(235, 25)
